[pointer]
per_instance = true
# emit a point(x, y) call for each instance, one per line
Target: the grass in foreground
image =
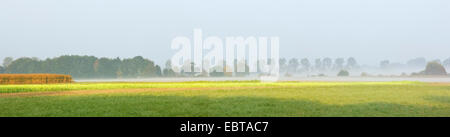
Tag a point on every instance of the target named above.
point(252, 99)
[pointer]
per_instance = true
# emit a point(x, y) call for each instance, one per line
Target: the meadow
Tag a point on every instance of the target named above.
point(227, 98)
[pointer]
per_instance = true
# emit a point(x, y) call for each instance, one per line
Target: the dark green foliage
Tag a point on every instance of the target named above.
point(87, 67)
point(107, 68)
point(434, 68)
point(158, 71)
point(7, 61)
point(169, 72)
point(343, 73)
point(2, 69)
point(25, 65)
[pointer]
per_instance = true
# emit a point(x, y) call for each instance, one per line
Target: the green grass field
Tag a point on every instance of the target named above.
point(248, 99)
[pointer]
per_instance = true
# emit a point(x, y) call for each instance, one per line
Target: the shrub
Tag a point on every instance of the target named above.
point(365, 74)
point(434, 68)
point(343, 73)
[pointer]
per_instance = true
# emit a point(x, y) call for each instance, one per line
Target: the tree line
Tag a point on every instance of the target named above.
point(304, 65)
point(85, 66)
point(139, 67)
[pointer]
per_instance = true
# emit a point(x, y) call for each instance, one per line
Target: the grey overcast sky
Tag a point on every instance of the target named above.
point(369, 30)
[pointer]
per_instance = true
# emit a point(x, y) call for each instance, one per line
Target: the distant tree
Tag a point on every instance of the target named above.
point(305, 64)
point(168, 71)
point(293, 65)
point(87, 67)
point(343, 73)
point(446, 63)
point(351, 63)
point(151, 70)
point(339, 63)
point(119, 73)
point(283, 65)
point(107, 68)
point(434, 68)
point(327, 63)
point(185, 68)
point(2, 69)
point(24, 65)
point(318, 64)
point(77, 66)
point(158, 71)
point(96, 66)
point(137, 67)
point(417, 62)
point(193, 69)
point(7, 61)
point(384, 64)
point(168, 64)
